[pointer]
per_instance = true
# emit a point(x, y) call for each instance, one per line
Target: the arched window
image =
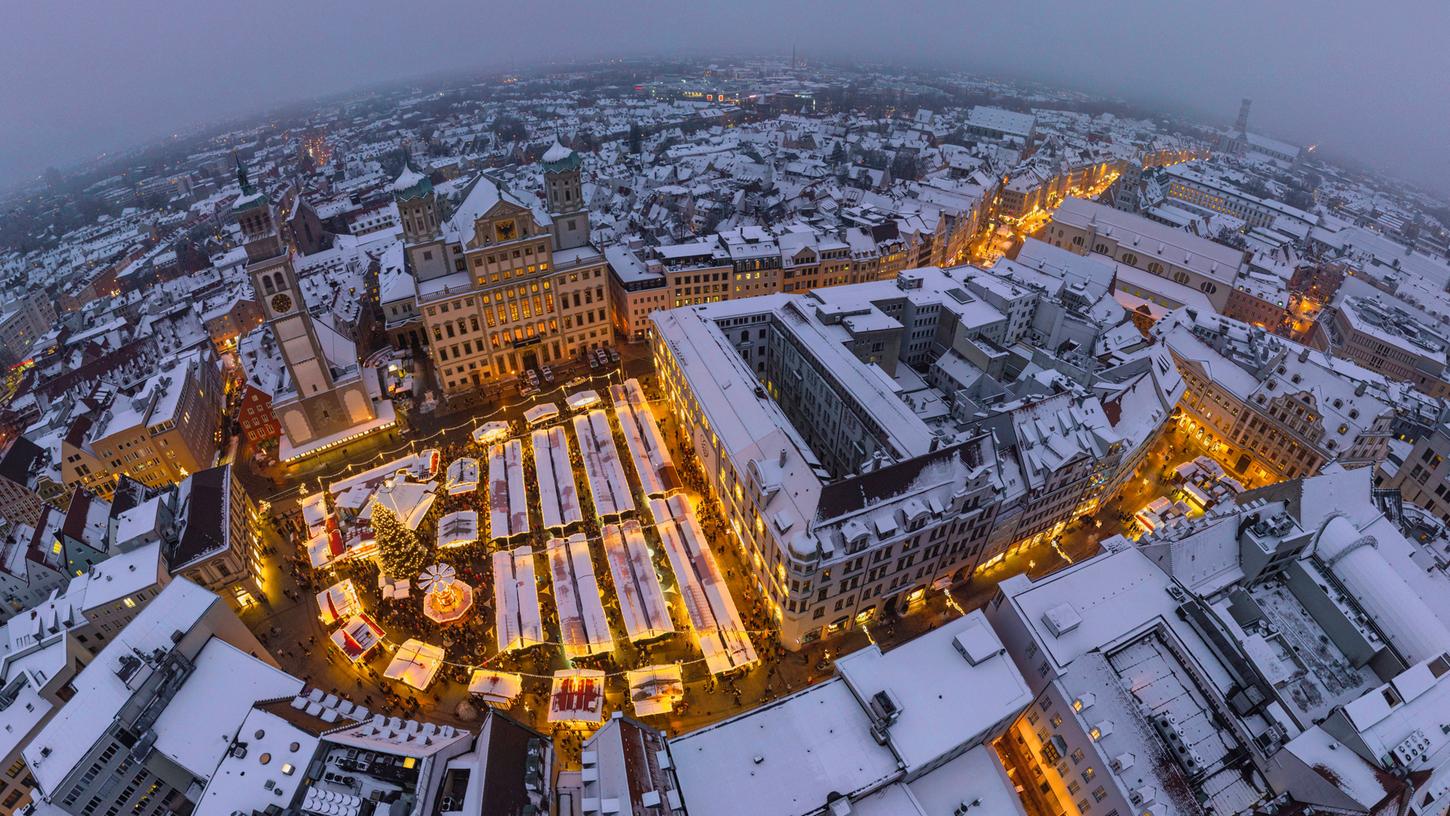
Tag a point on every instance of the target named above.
point(1129, 258)
point(267, 286)
point(1077, 240)
point(1155, 268)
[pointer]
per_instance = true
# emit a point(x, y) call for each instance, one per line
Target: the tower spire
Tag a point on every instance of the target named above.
point(242, 178)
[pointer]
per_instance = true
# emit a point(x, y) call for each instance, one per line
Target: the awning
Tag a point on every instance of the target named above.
point(496, 687)
point(415, 663)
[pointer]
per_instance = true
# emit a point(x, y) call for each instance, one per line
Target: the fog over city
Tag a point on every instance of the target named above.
point(1362, 80)
point(782, 408)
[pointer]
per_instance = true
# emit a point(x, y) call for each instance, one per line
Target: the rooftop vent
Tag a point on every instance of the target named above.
point(1061, 619)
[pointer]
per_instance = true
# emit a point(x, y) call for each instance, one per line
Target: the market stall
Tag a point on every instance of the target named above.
point(338, 602)
point(577, 696)
point(496, 687)
point(415, 663)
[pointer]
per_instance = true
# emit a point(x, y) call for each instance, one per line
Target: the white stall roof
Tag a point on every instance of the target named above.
point(541, 413)
point(582, 625)
point(491, 432)
point(558, 495)
point(722, 637)
point(517, 619)
point(507, 500)
point(580, 400)
point(415, 663)
point(637, 586)
point(608, 485)
point(458, 529)
point(652, 461)
point(462, 476)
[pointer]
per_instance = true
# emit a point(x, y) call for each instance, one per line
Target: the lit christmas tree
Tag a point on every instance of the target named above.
point(400, 555)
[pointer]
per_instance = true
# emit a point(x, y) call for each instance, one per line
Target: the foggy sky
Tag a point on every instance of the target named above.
point(1362, 79)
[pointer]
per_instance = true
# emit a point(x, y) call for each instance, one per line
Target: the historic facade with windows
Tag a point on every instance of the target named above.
point(505, 285)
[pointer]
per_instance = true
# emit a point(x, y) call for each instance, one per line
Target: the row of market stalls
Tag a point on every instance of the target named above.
point(652, 461)
point(608, 484)
point(641, 599)
point(554, 473)
point(518, 623)
point(583, 628)
point(713, 615)
point(508, 504)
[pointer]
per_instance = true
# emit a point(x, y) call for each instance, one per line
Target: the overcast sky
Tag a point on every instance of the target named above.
point(1365, 79)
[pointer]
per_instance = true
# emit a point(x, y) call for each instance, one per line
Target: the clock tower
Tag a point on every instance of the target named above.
point(564, 191)
point(422, 224)
point(322, 396)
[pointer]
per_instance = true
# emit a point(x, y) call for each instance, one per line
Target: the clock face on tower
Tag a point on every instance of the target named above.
point(281, 302)
point(504, 230)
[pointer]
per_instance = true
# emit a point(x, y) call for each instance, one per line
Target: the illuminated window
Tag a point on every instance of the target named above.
point(130, 604)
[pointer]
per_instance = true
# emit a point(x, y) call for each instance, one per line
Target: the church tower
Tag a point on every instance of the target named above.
point(564, 193)
point(313, 403)
point(422, 224)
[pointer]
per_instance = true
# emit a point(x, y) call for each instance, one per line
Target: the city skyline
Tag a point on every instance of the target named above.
point(683, 437)
point(1197, 61)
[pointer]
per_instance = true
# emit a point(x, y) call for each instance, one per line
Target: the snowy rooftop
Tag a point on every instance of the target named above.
point(952, 685)
point(782, 758)
point(199, 723)
point(101, 692)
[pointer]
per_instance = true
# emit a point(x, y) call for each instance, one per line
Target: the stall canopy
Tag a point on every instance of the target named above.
point(496, 687)
point(458, 529)
point(655, 689)
point(577, 695)
point(358, 636)
point(713, 616)
point(462, 476)
point(541, 413)
point(338, 602)
point(416, 663)
point(490, 432)
point(652, 461)
point(393, 590)
point(581, 400)
point(518, 623)
point(508, 508)
point(409, 501)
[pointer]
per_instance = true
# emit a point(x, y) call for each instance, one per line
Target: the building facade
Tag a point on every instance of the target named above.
point(503, 286)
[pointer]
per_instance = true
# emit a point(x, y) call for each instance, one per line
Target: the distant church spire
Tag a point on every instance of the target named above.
point(242, 179)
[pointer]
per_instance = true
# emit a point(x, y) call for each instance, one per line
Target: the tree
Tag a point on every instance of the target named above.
point(400, 554)
point(903, 166)
point(509, 129)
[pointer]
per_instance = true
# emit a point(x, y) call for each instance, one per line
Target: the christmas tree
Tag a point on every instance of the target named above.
point(400, 555)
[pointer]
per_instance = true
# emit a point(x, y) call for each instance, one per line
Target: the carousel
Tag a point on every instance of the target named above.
point(445, 598)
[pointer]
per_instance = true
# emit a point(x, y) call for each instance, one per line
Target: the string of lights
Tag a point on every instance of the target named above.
point(474, 421)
